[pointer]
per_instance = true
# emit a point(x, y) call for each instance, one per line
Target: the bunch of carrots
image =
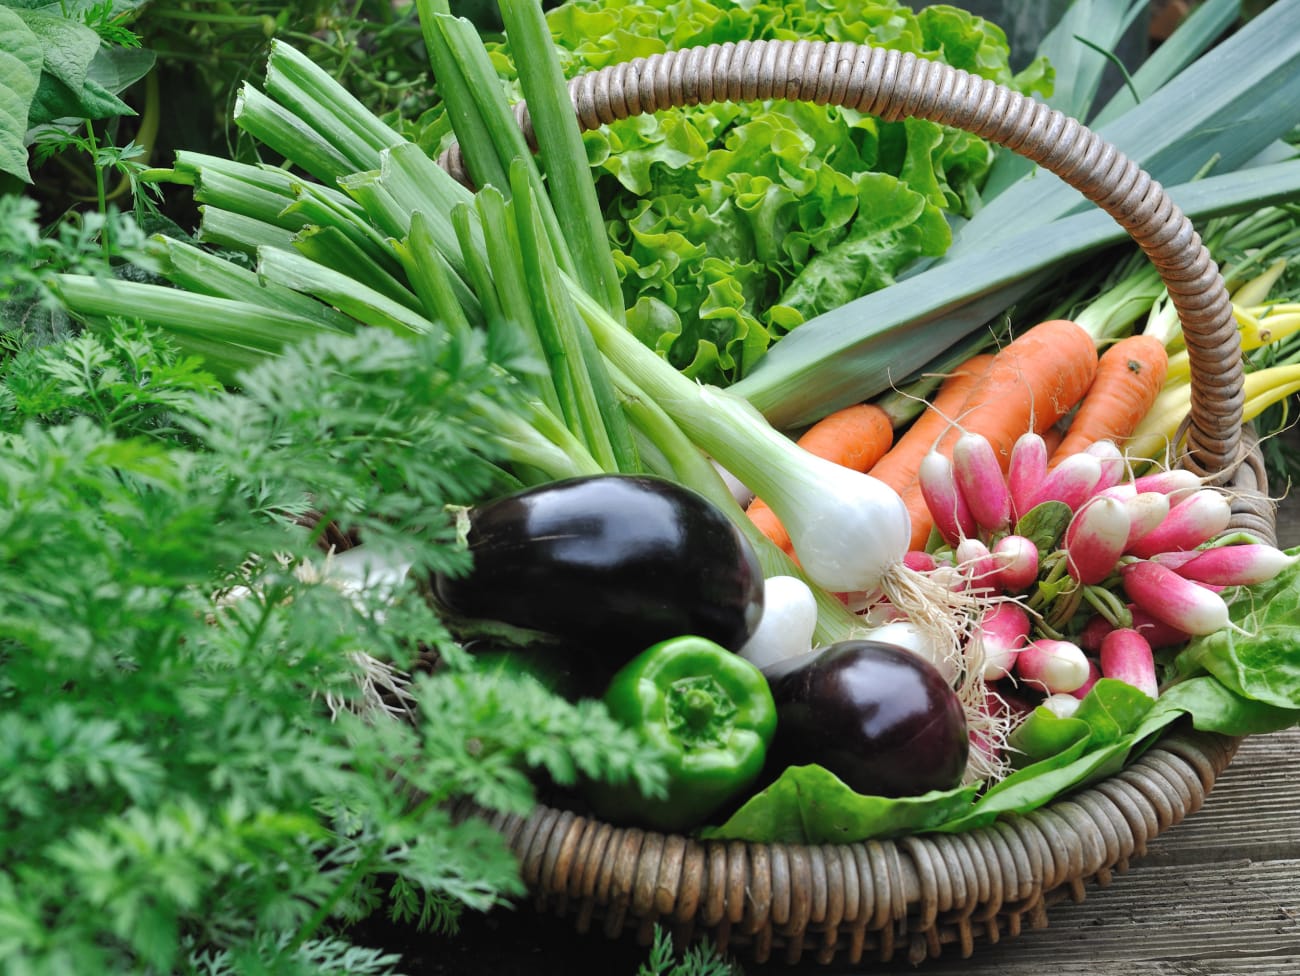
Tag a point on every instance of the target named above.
point(1048, 374)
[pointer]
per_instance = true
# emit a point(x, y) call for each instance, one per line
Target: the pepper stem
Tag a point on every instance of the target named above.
point(696, 708)
point(700, 711)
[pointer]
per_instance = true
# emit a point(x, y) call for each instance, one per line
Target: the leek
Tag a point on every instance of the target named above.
point(1230, 105)
point(563, 156)
point(1226, 107)
point(884, 339)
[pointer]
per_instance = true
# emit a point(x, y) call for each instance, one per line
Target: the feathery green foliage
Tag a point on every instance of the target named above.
point(200, 768)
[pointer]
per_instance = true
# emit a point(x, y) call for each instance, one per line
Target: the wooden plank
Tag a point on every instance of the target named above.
point(1171, 918)
point(1252, 813)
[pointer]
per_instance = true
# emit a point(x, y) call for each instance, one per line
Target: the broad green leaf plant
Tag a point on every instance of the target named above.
point(62, 65)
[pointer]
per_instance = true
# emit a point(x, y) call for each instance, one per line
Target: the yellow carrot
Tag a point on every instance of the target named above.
point(1154, 438)
point(1259, 326)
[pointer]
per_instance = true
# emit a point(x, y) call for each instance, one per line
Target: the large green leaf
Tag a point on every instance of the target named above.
point(811, 805)
point(117, 68)
point(20, 69)
point(66, 91)
point(1255, 655)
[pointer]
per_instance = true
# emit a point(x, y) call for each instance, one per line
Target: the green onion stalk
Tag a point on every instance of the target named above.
point(403, 247)
point(381, 235)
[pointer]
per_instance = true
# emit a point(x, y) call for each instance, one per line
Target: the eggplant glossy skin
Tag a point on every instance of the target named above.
point(612, 562)
point(878, 716)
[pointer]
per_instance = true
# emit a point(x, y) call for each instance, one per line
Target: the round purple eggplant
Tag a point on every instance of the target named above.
point(611, 562)
point(879, 717)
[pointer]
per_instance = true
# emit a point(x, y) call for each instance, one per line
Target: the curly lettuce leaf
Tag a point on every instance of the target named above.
point(895, 225)
point(734, 223)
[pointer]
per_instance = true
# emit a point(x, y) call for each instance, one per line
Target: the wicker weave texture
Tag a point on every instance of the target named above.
point(915, 895)
point(871, 900)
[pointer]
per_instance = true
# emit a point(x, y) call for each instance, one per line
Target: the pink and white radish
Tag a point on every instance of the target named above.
point(1195, 520)
point(1093, 632)
point(1173, 600)
point(1146, 510)
point(1071, 482)
point(1241, 565)
point(1094, 675)
point(1095, 539)
point(1003, 633)
point(978, 476)
point(1177, 483)
point(920, 560)
point(1157, 633)
point(977, 565)
point(952, 516)
point(1026, 472)
point(1126, 656)
point(1016, 558)
point(1052, 665)
point(1061, 705)
point(1175, 560)
point(1114, 466)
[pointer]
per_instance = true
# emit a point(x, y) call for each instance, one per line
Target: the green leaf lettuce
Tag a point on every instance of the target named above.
point(734, 223)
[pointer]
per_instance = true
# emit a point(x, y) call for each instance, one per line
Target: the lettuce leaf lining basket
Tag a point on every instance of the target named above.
point(917, 894)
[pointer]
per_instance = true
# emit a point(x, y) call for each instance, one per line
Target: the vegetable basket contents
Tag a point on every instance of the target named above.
point(905, 691)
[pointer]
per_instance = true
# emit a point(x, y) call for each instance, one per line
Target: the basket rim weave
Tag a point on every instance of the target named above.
point(914, 894)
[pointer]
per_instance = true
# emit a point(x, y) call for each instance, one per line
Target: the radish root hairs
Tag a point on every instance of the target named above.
point(951, 619)
point(384, 689)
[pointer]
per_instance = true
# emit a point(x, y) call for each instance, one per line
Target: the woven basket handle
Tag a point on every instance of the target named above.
point(893, 85)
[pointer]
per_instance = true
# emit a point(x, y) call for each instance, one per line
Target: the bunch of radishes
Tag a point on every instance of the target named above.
point(1118, 567)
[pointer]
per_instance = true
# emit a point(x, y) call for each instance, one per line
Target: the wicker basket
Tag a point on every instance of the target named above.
point(916, 894)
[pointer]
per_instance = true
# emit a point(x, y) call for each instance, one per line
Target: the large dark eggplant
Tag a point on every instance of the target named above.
point(876, 715)
point(614, 562)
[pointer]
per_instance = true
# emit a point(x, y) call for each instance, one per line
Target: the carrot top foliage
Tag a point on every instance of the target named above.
point(192, 774)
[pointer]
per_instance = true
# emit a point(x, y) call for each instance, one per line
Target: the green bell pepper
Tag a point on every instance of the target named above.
point(710, 714)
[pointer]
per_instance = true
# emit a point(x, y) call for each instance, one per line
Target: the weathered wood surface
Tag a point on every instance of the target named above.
point(1218, 895)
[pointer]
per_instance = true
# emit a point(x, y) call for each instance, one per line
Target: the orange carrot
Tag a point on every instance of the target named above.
point(1129, 376)
point(1032, 383)
point(898, 468)
point(765, 519)
point(854, 437)
point(919, 511)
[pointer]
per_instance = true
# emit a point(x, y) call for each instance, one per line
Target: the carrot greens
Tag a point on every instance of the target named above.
point(191, 774)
